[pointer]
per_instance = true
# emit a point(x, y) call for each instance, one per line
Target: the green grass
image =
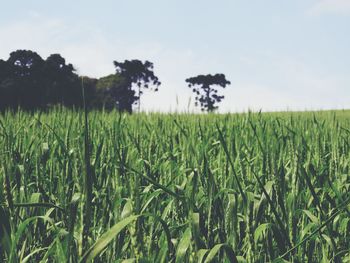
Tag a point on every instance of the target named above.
point(175, 187)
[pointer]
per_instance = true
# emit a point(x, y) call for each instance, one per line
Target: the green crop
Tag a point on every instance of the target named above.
point(272, 187)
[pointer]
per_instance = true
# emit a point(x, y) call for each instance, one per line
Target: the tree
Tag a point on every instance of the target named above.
point(4, 70)
point(24, 82)
point(5, 92)
point(109, 91)
point(62, 83)
point(205, 94)
point(29, 82)
point(133, 72)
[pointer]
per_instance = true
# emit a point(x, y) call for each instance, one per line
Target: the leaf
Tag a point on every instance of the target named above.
point(229, 252)
point(167, 209)
point(183, 246)
point(39, 204)
point(45, 147)
point(307, 229)
point(127, 209)
point(32, 253)
point(196, 231)
point(201, 255)
point(129, 260)
point(22, 227)
point(106, 238)
point(60, 254)
point(313, 218)
point(328, 240)
point(241, 259)
point(35, 198)
point(150, 199)
point(260, 230)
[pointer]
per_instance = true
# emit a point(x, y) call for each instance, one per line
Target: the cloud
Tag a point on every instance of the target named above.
point(92, 54)
point(276, 82)
point(265, 80)
point(330, 7)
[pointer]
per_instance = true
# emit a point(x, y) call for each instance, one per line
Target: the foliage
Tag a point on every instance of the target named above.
point(25, 71)
point(29, 82)
point(62, 85)
point(167, 188)
point(205, 94)
point(111, 91)
point(134, 72)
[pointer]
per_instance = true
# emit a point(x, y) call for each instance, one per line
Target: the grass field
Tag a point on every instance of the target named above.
point(175, 188)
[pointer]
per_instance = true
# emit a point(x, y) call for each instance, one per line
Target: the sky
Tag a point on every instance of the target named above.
point(278, 54)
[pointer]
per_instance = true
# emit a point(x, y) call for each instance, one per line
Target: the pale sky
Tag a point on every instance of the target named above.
point(278, 54)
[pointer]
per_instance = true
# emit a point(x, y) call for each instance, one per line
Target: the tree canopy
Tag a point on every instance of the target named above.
point(22, 82)
point(138, 73)
point(29, 82)
point(206, 95)
point(62, 83)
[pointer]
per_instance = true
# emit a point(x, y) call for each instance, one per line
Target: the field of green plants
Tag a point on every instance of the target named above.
point(271, 187)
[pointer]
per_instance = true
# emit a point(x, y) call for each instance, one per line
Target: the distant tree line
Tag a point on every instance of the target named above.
point(29, 82)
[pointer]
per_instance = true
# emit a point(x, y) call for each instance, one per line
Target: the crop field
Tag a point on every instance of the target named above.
point(253, 187)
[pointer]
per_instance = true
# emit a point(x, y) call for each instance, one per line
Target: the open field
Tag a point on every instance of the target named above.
point(175, 188)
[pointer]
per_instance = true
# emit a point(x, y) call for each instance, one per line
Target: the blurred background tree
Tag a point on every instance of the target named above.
point(29, 82)
point(206, 95)
point(134, 73)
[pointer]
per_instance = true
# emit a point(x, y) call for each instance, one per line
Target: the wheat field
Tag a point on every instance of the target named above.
point(252, 187)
